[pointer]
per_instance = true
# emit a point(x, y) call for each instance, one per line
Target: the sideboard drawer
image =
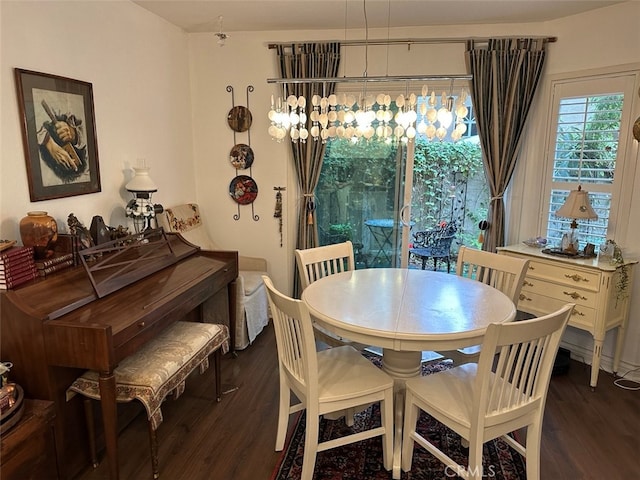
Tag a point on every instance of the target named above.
point(583, 317)
point(562, 292)
point(588, 280)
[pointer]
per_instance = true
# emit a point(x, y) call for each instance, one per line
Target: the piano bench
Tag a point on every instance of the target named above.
point(158, 369)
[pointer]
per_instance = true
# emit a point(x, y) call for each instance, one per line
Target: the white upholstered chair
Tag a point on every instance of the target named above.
point(318, 262)
point(499, 271)
point(481, 401)
point(333, 380)
point(251, 303)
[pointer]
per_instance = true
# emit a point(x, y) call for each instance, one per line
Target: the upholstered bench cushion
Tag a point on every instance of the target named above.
point(161, 366)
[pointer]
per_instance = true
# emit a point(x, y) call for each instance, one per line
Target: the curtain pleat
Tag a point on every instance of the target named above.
point(308, 60)
point(506, 73)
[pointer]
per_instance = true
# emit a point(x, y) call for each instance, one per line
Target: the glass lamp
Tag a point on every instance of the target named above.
point(141, 208)
point(576, 206)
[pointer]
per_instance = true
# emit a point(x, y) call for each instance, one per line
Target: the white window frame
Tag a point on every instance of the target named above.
point(627, 81)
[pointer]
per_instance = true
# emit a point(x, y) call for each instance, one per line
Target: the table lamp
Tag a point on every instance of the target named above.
point(141, 208)
point(576, 206)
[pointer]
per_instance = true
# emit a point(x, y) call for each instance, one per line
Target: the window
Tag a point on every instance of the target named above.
point(588, 137)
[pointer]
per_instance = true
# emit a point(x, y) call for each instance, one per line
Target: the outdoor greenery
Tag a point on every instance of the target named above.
point(359, 181)
point(585, 152)
point(449, 184)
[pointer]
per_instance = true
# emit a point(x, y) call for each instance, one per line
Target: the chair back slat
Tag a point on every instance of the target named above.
point(499, 271)
point(318, 262)
point(517, 376)
point(294, 338)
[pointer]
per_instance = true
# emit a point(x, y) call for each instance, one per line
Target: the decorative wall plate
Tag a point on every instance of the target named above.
point(239, 119)
point(241, 156)
point(243, 189)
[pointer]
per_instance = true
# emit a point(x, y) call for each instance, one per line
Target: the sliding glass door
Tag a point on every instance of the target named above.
point(361, 197)
point(379, 194)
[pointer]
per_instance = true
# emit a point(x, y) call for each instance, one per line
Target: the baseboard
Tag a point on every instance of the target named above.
point(584, 355)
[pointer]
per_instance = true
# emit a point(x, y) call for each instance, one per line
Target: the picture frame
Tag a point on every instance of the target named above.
point(59, 135)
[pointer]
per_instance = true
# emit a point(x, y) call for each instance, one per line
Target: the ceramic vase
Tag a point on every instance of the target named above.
point(40, 231)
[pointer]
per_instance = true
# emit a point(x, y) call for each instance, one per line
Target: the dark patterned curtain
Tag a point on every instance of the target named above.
point(308, 60)
point(505, 73)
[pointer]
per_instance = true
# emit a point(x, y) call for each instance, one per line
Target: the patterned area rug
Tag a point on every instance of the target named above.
point(363, 460)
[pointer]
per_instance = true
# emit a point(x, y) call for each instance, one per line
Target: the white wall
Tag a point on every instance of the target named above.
point(138, 65)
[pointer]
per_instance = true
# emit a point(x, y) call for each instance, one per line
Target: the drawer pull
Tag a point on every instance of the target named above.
point(576, 312)
point(142, 325)
point(527, 284)
point(575, 295)
point(576, 278)
point(524, 297)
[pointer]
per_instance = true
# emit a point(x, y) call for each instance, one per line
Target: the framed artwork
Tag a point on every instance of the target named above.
point(59, 135)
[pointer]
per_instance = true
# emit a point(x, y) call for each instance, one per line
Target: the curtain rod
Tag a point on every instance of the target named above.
point(386, 78)
point(415, 41)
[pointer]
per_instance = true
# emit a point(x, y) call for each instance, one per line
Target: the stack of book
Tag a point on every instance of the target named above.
point(55, 264)
point(17, 266)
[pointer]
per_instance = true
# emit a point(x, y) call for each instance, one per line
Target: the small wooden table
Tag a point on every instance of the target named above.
point(406, 311)
point(28, 448)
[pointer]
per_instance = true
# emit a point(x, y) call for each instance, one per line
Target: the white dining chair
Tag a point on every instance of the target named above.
point(331, 380)
point(319, 262)
point(503, 392)
point(502, 272)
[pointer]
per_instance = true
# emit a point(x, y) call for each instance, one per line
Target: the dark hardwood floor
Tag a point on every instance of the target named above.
point(586, 435)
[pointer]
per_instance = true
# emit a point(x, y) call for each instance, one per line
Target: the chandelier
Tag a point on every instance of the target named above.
point(369, 116)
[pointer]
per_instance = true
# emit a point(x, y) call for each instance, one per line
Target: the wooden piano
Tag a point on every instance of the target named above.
point(55, 328)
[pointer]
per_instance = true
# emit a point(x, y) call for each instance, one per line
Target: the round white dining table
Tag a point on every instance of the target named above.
point(405, 312)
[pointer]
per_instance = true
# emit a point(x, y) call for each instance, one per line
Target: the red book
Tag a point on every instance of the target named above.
point(56, 268)
point(20, 271)
point(16, 252)
point(16, 264)
point(50, 262)
point(8, 284)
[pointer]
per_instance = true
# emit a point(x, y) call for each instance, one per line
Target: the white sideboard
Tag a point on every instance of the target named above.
point(593, 285)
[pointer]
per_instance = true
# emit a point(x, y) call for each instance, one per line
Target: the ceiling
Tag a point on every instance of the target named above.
point(275, 15)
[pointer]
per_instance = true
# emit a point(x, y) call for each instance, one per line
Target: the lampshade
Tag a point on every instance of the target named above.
point(141, 182)
point(577, 205)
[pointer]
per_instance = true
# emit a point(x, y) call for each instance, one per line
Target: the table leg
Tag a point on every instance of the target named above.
point(595, 361)
point(107, 382)
point(401, 366)
point(619, 344)
point(382, 238)
point(397, 439)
